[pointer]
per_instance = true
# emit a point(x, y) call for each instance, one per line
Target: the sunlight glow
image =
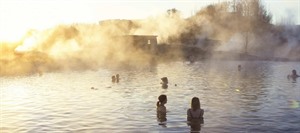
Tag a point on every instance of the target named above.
point(19, 16)
point(27, 45)
point(18, 91)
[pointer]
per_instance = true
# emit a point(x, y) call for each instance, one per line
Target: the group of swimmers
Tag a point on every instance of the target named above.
point(164, 83)
point(194, 114)
point(115, 79)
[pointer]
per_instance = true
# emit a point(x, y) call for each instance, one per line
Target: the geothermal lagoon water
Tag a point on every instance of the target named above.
point(257, 99)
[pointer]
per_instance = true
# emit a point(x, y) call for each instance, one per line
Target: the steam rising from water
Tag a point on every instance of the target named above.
point(84, 46)
point(89, 46)
point(64, 47)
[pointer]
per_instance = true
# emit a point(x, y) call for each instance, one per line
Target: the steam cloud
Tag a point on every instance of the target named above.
point(90, 46)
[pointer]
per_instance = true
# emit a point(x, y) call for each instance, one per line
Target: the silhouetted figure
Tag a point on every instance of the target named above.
point(294, 75)
point(239, 67)
point(161, 109)
point(164, 82)
point(117, 78)
point(195, 115)
point(113, 79)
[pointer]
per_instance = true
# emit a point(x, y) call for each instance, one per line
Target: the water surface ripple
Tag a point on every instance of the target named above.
point(258, 99)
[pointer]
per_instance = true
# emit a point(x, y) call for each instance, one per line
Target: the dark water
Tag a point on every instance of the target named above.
point(260, 98)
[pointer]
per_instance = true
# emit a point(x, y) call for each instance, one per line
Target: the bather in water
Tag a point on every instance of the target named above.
point(113, 79)
point(294, 75)
point(117, 78)
point(195, 115)
point(164, 82)
point(239, 67)
point(161, 109)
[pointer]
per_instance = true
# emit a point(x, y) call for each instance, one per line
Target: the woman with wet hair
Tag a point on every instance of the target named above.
point(161, 108)
point(195, 115)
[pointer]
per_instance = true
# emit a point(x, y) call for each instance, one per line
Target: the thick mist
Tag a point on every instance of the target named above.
point(75, 47)
point(233, 28)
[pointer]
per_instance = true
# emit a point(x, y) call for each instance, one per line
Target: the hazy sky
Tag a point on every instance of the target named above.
point(17, 16)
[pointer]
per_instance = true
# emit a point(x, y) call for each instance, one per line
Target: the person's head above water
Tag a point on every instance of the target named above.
point(117, 78)
point(164, 80)
point(195, 103)
point(162, 99)
point(113, 78)
point(239, 67)
point(294, 72)
point(294, 75)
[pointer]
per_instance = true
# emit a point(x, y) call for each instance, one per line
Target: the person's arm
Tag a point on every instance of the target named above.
point(201, 118)
point(188, 115)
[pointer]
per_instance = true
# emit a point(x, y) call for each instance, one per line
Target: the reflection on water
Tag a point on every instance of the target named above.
point(259, 98)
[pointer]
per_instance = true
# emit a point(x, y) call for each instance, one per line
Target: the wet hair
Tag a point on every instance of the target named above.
point(161, 98)
point(195, 103)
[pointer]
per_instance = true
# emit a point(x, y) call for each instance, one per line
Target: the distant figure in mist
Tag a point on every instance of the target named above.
point(161, 109)
point(239, 67)
point(117, 78)
point(294, 75)
point(195, 115)
point(164, 82)
point(113, 78)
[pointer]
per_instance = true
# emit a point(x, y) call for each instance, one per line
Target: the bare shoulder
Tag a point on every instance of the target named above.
point(188, 110)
